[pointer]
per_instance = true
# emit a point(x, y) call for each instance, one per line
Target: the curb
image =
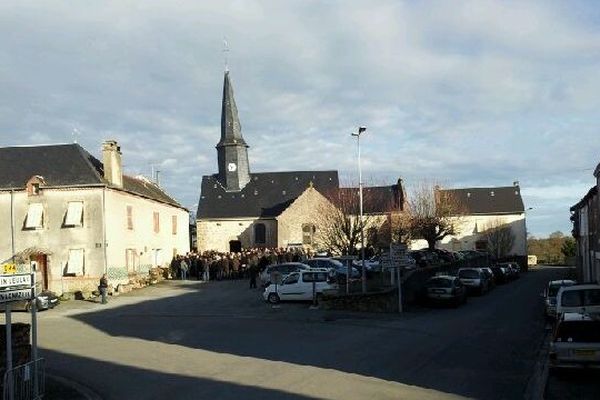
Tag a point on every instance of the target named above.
point(537, 383)
point(85, 392)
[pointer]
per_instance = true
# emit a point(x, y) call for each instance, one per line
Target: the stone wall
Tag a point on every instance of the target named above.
point(215, 234)
point(385, 301)
point(21, 347)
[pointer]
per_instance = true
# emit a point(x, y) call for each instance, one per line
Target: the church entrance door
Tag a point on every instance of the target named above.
point(235, 246)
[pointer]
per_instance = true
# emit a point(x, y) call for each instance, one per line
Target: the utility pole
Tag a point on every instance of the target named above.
point(361, 130)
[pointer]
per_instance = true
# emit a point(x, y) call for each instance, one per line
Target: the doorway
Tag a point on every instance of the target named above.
point(41, 273)
point(235, 246)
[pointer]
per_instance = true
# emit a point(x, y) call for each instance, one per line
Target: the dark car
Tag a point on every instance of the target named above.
point(45, 300)
point(501, 274)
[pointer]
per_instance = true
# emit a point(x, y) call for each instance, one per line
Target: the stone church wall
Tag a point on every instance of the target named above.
point(216, 234)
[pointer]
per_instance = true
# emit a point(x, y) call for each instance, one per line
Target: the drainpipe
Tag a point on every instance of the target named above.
point(104, 228)
point(12, 223)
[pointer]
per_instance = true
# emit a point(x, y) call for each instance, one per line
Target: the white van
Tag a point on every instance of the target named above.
point(584, 298)
point(299, 286)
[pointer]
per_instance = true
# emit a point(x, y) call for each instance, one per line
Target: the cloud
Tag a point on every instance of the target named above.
point(470, 93)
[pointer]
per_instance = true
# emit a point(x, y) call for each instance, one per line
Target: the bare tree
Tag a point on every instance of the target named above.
point(433, 214)
point(339, 224)
point(500, 237)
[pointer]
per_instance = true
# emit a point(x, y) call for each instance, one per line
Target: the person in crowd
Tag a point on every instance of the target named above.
point(103, 288)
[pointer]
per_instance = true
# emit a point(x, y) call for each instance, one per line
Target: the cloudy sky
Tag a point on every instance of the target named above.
point(466, 93)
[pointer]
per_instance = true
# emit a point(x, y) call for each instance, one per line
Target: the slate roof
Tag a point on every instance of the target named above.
point(380, 199)
point(267, 194)
point(584, 201)
point(489, 200)
point(66, 165)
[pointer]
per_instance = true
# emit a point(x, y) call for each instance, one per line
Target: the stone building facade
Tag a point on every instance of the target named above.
point(75, 218)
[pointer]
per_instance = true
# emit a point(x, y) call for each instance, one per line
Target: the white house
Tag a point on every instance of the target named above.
point(482, 209)
point(77, 218)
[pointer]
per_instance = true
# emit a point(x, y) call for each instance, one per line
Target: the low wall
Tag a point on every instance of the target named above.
point(384, 301)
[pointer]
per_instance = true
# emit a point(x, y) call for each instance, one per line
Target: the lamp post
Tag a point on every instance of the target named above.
point(361, 130)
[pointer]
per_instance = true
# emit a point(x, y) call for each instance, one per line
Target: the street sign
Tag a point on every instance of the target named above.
point(7, 296)
point(14, 281)
point(276, 277)
point(8, 268)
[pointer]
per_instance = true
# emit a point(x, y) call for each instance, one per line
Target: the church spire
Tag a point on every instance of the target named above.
point(232, 150)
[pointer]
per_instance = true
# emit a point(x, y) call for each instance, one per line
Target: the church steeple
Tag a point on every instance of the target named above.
point(232, 150)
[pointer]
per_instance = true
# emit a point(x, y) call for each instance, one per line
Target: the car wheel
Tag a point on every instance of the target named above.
point(273, 298)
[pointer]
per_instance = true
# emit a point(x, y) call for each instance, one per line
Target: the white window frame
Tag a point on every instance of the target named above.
point(35, 216)
point(74, 215)
point(76, 262)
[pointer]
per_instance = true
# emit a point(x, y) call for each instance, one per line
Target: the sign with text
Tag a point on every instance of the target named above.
point(8, 268)
point(13, 281)
point(15, 295)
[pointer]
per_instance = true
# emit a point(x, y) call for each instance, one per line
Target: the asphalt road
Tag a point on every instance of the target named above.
point(220, 341)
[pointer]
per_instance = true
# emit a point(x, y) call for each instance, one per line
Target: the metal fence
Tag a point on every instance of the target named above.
point(26, 381)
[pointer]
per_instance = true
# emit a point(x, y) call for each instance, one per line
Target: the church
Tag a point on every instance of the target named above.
point(241, 209)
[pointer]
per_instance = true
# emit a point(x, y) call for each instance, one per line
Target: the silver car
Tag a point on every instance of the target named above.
point(550, 295)
point(576, 342)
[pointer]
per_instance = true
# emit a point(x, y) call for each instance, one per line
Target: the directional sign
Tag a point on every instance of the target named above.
point(15, 295)
point(15, 281)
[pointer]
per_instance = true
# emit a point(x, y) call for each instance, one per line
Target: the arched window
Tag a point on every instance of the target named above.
point(260, 233)
point(308, 233)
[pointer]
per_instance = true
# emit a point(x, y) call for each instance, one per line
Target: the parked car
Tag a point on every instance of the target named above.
point(550, 295)
point(576, 341)
point(474, 279)
point(45, 300)
point(583, 298)
point(447, 289)
point(299, 286)
point(501, 274)
point(284, 269)
point(490, 274)
point(511, 268)
point(329, 263)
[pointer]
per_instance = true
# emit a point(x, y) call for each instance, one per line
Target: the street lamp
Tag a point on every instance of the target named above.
point(361, 130)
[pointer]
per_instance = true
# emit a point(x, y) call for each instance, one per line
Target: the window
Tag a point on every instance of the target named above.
point(260, 233)
point(130, 255)
point(130, 218)
point(35, 216)
point(75, 263)
point(174, 224)
point(35, 189)
point(74, 214)
point(156, 222)
point(308, 232)
point(291, 279)
point(158, 256)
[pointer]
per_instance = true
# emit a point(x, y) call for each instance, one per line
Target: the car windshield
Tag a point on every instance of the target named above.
point(468, 274)
point(581, 298)
point(579, 331)
point(439, 283)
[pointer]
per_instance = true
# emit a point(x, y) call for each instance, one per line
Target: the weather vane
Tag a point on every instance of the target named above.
point(226, 53)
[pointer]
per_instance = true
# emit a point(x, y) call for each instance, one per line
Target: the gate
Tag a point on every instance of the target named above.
point(26, 381)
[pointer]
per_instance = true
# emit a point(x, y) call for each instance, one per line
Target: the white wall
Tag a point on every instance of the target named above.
point(54, 237)
point(468, 234)
point(142, 238)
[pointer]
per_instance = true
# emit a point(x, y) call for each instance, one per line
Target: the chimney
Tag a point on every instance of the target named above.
point(516, 183)
point(111, 157)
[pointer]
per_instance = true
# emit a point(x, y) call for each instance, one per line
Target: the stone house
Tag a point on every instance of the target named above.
point(585, 216)
point(75, 218)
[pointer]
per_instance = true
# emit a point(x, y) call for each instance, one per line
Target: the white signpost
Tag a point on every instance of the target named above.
point(18, 287)
point(398, 259)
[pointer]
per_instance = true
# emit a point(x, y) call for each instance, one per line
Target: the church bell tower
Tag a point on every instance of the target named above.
point(232, 150)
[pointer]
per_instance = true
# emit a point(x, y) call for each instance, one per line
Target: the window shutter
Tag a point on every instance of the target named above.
point(75, 263)
point(35, 214)
point(74, 214)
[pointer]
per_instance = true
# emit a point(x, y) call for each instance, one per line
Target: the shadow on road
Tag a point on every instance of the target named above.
point(102, 377)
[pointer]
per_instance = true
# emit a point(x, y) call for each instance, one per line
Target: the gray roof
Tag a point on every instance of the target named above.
point(65, 165)
point(489, 200)
point(267, 194)
point(379, 199)
point(231, 128)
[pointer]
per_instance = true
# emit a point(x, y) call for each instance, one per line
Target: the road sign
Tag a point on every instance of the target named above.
point(15, 281)
point(7, 296)
point(276, 277)
point(8, 268)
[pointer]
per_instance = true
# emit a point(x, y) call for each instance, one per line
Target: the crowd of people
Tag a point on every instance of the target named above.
point(247, 264)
